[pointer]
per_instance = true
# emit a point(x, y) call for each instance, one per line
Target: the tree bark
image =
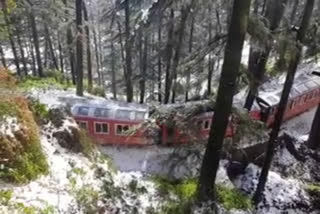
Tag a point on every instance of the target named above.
point(180, 36)
point(36, 43)
point(51, 49)
point(168, 54)
point(258, 58)
point(294, 12)
point(97, 56)
point(227, 87)
point(89, 62)
point(79, 46)
point(210, 62)
point(190, 51)
point(11, 38)
point(159, 62)
point(70, 47)
point(21, 48)
point(144, 70)
point(128, 49)
point(60, 54)
point(3, 59)
point(314, 137)
point(294, 61)
point(33, 58)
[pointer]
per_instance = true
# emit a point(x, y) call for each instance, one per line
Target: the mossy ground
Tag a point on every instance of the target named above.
point(185, 191)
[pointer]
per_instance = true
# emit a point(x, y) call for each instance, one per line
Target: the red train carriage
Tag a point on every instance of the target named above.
point(111, 124)
point(116, 125)
point(304, 95)
point(200, 129)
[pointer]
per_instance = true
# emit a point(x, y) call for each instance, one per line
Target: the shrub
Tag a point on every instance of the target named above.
point(7, 81)
point(39, 110)
point(233, 198)
point(184, 190)
point(27, 160)
point(42, 83)
point(88, 199)
point(98, 91)
point(5, 197)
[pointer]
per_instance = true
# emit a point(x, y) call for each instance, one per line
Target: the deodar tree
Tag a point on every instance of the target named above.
point(227, 87)
point(293, 64)
point(79, 46)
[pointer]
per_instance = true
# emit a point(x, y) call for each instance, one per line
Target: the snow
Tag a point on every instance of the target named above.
point(71, 172)
point(280, 194)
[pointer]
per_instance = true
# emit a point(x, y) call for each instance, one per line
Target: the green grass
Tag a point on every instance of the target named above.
point(313, 187)
point(39, 110)
point(185, 190)
point(233, 198)
point(5, 197)
point(42, 83)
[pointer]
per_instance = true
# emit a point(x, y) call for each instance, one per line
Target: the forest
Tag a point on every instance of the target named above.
point(159, 106)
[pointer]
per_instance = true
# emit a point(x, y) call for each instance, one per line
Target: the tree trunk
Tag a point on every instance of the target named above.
point(3, 59)
point(159, 62)
point(60, 54)
point(180, 36)
point(33, 58)
point(70, 47)
point(190, 51)
point(21, 48)
point(128, 47)
point(79, 45)
point(113, 72)
point(294, 12)
point(36, 43)
point(210, 63)
point(227, 87)
point(51, 49)
point(258, 58)
point(13, 45)
point(314, 137)
point(89, 62)
point(71, 55)
point(144, 70)
point(168, 55)
point(97, 55)
point(294, 61)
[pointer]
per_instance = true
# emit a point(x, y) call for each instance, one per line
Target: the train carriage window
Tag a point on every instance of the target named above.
point(122, 129)
point(207, 124)
point(123, 114)
point(102, 112)
point(140, 115)
point(101, 128)
point(84, 111)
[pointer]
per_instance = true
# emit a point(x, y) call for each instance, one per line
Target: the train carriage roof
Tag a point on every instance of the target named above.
point(304, 82)
point(111, 109)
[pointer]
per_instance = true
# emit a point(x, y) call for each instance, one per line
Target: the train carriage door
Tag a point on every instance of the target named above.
point(265, 109)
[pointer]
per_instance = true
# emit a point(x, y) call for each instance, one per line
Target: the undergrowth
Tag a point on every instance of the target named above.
point(21, 156)
point(185, 193)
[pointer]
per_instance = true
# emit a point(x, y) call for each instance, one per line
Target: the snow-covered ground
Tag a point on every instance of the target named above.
point(134, 163)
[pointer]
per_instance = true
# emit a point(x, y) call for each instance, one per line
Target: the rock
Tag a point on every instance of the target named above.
point(57, 116)
point(68, 138)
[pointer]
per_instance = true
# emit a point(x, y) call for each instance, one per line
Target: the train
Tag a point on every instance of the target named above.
point(118, 123)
